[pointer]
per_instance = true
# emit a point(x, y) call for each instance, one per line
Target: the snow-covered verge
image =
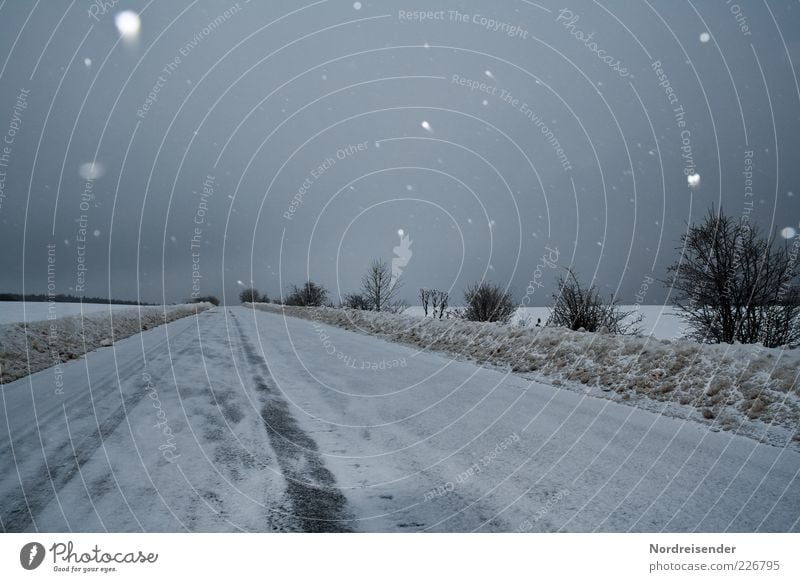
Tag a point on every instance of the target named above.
point(747, 389)
point(28, 348)
point(19, 311)
point(659, 321)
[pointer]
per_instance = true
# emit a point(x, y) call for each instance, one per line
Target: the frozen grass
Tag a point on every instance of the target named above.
point(19, 311)
point(747, 389)
point(26, 349)
point(659, 321)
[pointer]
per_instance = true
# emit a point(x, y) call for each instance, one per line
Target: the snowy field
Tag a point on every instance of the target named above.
point(19, 311)
point(244, 420)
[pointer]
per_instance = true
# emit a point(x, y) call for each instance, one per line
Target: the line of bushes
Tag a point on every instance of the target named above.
point(730, 284)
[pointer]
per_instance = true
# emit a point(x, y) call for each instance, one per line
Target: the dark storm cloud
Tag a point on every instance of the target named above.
point(277, 141)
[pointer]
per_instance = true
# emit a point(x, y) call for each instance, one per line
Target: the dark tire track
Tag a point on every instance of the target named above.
point(316, 501)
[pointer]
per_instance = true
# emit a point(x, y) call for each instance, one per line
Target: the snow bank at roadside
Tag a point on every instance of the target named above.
point(659, 321)
point(747, 389)
point(30, 311)
point(55, 341)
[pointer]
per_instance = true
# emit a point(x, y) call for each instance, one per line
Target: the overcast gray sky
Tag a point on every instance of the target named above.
point(274, 141)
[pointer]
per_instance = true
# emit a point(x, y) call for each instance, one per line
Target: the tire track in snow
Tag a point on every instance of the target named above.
point(316, 501)
point(60, 465)
point(20, 508)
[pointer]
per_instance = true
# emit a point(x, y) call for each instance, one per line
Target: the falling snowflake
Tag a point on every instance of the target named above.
point(91, 170)
point(788, 233)
point(128, 24)
point(705, 37)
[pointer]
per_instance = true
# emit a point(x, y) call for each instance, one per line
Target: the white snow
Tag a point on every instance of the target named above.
point(747, 389)
point(128, 23)
point(29, 347)
point(238, 419)
point(91, 170)
point(659, 321)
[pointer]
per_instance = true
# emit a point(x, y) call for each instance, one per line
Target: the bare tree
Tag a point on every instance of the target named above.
point(435, 301)
point(486, 301)
point(425, 297)
point(576, 307)
point(440, 301)
point(378, 288)
point(734, 284)
point(310, 294)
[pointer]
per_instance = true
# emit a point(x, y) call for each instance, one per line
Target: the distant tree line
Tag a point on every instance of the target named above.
point(205, 299)
point(65, 298)
point(253, 296)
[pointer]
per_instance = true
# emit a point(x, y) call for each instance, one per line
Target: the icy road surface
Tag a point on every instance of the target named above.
point(242, 420)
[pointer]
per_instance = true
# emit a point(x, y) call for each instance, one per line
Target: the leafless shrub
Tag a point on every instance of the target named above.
point(310, 294)
point(356, 301)
point(576, 307)
point(249, 296)
point(486, 301)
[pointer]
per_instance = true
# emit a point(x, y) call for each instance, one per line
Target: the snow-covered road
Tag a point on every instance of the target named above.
point(245, 420)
